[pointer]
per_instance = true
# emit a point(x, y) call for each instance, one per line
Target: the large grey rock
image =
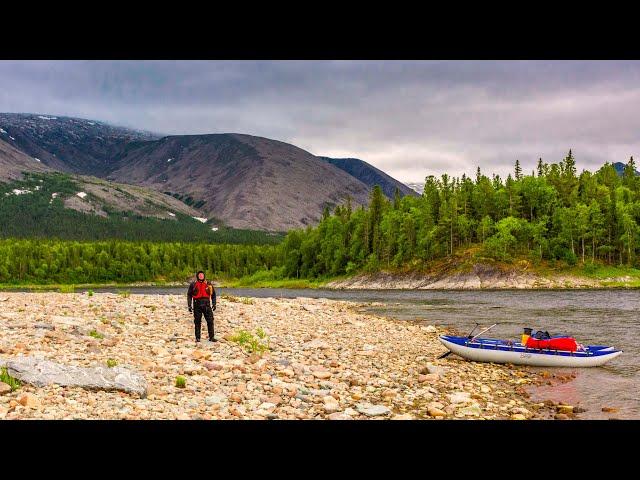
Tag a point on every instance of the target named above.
point(40, 372)
point(372, 410)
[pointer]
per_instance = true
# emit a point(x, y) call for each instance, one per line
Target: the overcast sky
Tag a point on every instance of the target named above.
point(408, 118)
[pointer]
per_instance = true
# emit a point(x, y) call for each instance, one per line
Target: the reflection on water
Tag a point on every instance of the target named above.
point(600, 317)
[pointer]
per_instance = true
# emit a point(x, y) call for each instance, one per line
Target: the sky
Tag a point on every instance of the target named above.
point(408, 118)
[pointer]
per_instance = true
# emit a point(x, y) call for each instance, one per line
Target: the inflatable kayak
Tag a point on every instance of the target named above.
point(505, 351)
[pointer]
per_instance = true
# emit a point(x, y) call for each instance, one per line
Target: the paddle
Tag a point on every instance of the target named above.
point(485, 330)
point(446, 354)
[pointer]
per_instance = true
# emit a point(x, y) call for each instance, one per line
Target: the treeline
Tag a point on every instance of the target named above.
point(552, 214)
point(54, 261)
point(37, 215)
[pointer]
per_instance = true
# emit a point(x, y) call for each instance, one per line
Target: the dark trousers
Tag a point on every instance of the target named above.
point(200, 308)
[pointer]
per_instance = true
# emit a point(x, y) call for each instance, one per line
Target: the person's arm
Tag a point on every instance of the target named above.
point(189, 296)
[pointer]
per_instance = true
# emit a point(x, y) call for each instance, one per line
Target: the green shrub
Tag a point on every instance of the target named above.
point(90, 293)
point(95, 334)
point(14, 383)
point(181, 382)
point(111, 363)
point(251, 343)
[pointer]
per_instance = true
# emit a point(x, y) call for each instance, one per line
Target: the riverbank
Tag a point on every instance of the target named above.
point(325, 360)
point(478, 276)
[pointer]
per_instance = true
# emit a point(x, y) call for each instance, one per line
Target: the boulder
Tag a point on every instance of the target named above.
point(472, 410)
point(459, 397)
point(40, 372)
point(431, 368)
point(372, 410)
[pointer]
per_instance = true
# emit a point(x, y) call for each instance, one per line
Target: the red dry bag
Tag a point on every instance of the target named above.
point(561, 343)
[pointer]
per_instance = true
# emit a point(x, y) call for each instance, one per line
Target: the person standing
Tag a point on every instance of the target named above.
point(203, 296)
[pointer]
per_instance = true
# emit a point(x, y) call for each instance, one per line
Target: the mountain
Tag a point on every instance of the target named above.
point(619, 166)
point(68, 144)
point(417, 187)
point(76, 207)
point(245, 181)
point(370, 175)
point(13, 162)
point(237, 180)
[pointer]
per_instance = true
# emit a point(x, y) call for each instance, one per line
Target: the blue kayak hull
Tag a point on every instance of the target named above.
point(500, 351)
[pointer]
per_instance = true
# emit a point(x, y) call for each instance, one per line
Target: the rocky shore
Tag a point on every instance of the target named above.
point(110, 356)
point(479, 277)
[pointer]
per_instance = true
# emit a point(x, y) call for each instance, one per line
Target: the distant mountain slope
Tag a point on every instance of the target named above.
point(68, 144)
point(13, 162)
point(58, 205)
point(619, 166)
point(370, 175)
point(246, 181)
point(417, 187)
point(243, 181)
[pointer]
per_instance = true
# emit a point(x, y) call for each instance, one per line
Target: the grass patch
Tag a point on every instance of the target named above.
point(95, 334)
point(67, 289)
point(234, 299)
point(13, 382)
point(124, 293)
point(252, 343)
point(90, 293)
point(275, 283)
point(181, 382)
point(112, 363)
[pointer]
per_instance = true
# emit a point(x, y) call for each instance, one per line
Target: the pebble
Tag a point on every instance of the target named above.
point(339, 416)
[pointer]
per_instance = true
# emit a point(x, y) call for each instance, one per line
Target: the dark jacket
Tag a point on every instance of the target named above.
point(190, 294)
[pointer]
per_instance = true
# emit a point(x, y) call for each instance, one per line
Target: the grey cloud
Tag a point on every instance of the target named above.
point(408, 118)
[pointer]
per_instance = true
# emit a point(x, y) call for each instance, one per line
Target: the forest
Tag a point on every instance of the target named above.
point(552, 214)
point(25, 261)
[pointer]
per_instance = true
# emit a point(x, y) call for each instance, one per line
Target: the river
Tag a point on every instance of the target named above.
point(603, 317)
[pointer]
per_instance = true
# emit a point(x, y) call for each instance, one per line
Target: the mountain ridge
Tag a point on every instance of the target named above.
point(246, 181)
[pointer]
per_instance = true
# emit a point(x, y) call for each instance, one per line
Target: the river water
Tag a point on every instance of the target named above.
point(600, 317)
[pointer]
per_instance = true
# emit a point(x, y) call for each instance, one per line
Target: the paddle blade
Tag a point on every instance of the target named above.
point(445, 354)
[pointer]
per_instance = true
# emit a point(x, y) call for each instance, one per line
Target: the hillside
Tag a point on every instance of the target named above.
point(75, 207)
point(245, 181)
point(13, 162)
point(370, 175)
point(237, 180)
point(68, 144)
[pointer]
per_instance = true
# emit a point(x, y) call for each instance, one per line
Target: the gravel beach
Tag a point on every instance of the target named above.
point(325, 360)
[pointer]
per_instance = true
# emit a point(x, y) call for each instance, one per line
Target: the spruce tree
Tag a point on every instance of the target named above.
point(518, 170)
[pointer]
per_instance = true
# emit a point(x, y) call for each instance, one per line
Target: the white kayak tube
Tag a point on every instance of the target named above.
point(497, 351)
